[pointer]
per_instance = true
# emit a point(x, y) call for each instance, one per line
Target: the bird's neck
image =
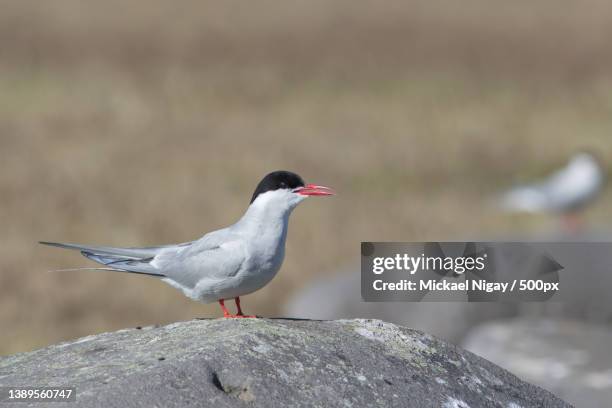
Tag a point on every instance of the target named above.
point(266, 220)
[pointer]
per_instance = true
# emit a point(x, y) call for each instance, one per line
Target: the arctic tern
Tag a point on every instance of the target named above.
point(223, 264)
point(566, 192)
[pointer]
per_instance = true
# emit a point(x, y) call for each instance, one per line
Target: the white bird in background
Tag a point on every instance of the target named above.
point(223, 264)
point(565, 192)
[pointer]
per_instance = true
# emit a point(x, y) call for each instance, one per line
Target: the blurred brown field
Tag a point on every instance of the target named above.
point(148, 122)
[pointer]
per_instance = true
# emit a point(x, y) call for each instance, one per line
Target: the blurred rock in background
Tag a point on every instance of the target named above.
point(568, 358)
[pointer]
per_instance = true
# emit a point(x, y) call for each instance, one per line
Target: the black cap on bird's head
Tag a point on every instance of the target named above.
point(286, 180)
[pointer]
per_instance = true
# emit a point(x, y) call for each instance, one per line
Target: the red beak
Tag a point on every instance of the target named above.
point(314, 190)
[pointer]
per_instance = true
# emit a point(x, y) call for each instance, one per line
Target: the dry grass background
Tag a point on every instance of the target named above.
point(148, 122)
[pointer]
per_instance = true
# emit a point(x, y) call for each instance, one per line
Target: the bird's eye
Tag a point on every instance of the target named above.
point(283, 184)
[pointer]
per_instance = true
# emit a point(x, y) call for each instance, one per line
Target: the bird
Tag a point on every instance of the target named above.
point(223, 264)
point(567, 191)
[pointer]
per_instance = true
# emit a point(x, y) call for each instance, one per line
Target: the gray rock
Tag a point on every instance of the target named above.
point(271, 363)
point(570, 358)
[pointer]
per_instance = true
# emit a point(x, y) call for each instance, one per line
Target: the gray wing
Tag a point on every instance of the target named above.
point(134, 253)
point(134, 260)
point(546, 195)
point(215, 257)
point(531, 198)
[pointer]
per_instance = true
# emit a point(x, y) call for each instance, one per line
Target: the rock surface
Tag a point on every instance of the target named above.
point(271, 363)
point(570, 358)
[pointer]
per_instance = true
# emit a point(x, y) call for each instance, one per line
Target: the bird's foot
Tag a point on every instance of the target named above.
point(239, 316)
point(573, 224)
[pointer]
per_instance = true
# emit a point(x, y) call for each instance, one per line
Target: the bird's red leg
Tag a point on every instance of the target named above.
point(226, 313)
point(240, 314)
point(572, 223)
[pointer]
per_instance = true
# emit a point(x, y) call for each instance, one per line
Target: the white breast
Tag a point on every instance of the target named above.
point(263, 232)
